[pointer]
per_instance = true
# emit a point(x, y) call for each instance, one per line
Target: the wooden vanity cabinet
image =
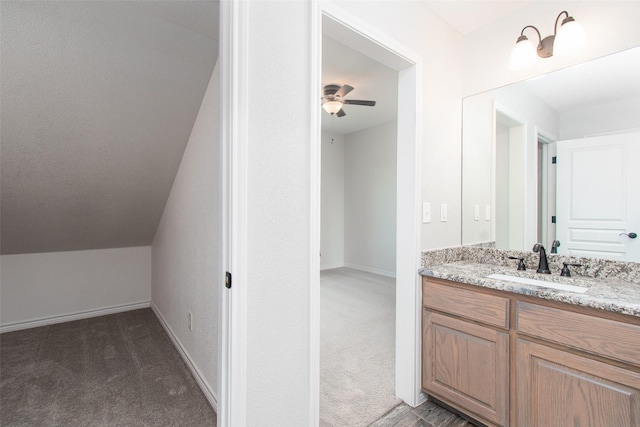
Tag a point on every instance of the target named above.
point(558, 388)
point(508, 359)
point(466, 351)
point(584, 370)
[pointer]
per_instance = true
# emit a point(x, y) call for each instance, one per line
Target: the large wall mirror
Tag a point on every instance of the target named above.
point(556, 160)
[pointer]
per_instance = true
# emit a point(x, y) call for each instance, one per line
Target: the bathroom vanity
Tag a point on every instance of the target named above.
point(513, 354)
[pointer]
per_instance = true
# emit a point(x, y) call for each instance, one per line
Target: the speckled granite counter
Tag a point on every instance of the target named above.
point(612, 285)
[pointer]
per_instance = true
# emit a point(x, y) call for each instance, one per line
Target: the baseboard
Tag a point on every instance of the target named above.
point(331, 266)
point(371, 270)
point(200, 380)
point(17, 326)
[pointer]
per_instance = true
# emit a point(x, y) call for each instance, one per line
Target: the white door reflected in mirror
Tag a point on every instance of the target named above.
point(598, 189)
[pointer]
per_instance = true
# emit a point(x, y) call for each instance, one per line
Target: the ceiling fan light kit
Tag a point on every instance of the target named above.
point(332, 107)
point(333, 99)
point(570, 38)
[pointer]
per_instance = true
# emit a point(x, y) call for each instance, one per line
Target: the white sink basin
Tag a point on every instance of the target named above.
point(541, 283)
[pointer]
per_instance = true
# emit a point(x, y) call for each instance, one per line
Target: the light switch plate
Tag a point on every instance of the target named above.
point(476, 213)
point(426, 212)
point(443, 212)
point(487, 212)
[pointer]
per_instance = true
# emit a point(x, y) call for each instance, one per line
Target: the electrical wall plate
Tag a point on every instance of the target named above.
point(426, 212)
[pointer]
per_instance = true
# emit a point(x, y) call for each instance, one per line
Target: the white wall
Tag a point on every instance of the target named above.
point(611, 26)
point(370, 199)
point(186, 267)
point(414, 25)
point(276, 268)
point(41, 288)
point(278, 213)
point(332, 215)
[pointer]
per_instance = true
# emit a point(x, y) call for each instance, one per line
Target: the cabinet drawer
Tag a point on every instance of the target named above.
point(489, 309)
point(604, 337)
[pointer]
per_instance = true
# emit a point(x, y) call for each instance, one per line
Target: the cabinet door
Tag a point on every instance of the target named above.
point(466, 366)
point(556, 388)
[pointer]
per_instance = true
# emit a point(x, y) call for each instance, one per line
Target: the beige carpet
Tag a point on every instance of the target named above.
point(357, 347)
point(116, 370)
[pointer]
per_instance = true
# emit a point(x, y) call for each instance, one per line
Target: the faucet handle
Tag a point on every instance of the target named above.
point(521, 265)
point(565, 268)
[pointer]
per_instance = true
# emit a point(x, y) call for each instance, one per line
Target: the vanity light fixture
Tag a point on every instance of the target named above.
point(569, 38)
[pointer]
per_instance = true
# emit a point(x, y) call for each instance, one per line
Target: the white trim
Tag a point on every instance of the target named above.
point(360, 36)
point(409, 236)
point(371, 270)
point(234, 118)
point(315, 166)
point(197, 375)
point(44, 321)
point(331, 266)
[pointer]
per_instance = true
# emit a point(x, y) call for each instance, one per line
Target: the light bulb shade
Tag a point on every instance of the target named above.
point(523, 54)
point(570, 38)
point(332, 107)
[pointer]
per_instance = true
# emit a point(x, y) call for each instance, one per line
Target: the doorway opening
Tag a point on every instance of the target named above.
point(547, 156)
point(352, 33)
point(509, 181)
point(358, 241)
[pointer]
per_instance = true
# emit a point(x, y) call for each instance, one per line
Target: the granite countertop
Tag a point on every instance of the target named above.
point(616, 294)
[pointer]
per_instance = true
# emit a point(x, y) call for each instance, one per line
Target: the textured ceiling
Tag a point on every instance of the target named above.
point(98, 101)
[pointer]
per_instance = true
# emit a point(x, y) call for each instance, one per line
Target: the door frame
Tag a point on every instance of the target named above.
point(351, 31)
point(232, 345)
point(232, 386)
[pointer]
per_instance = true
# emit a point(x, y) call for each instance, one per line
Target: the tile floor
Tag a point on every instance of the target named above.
point(428, 414)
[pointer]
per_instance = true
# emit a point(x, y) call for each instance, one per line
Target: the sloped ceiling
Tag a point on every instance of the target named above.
point(97, 103)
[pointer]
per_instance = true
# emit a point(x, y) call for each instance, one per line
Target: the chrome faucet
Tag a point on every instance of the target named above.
point(543, 266)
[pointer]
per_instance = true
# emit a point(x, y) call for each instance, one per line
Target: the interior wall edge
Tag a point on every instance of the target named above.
point(51, 320)
point(204, 385)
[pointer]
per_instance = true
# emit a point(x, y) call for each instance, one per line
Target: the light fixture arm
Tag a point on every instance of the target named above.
point(545, 45)
point(530, 26)
point(564, 21)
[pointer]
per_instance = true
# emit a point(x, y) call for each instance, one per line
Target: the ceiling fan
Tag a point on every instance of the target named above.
point(333, 99)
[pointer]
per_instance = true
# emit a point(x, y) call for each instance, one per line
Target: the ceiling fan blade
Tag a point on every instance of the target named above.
point(341, 113)
point(345, 89)
point(358, 102)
